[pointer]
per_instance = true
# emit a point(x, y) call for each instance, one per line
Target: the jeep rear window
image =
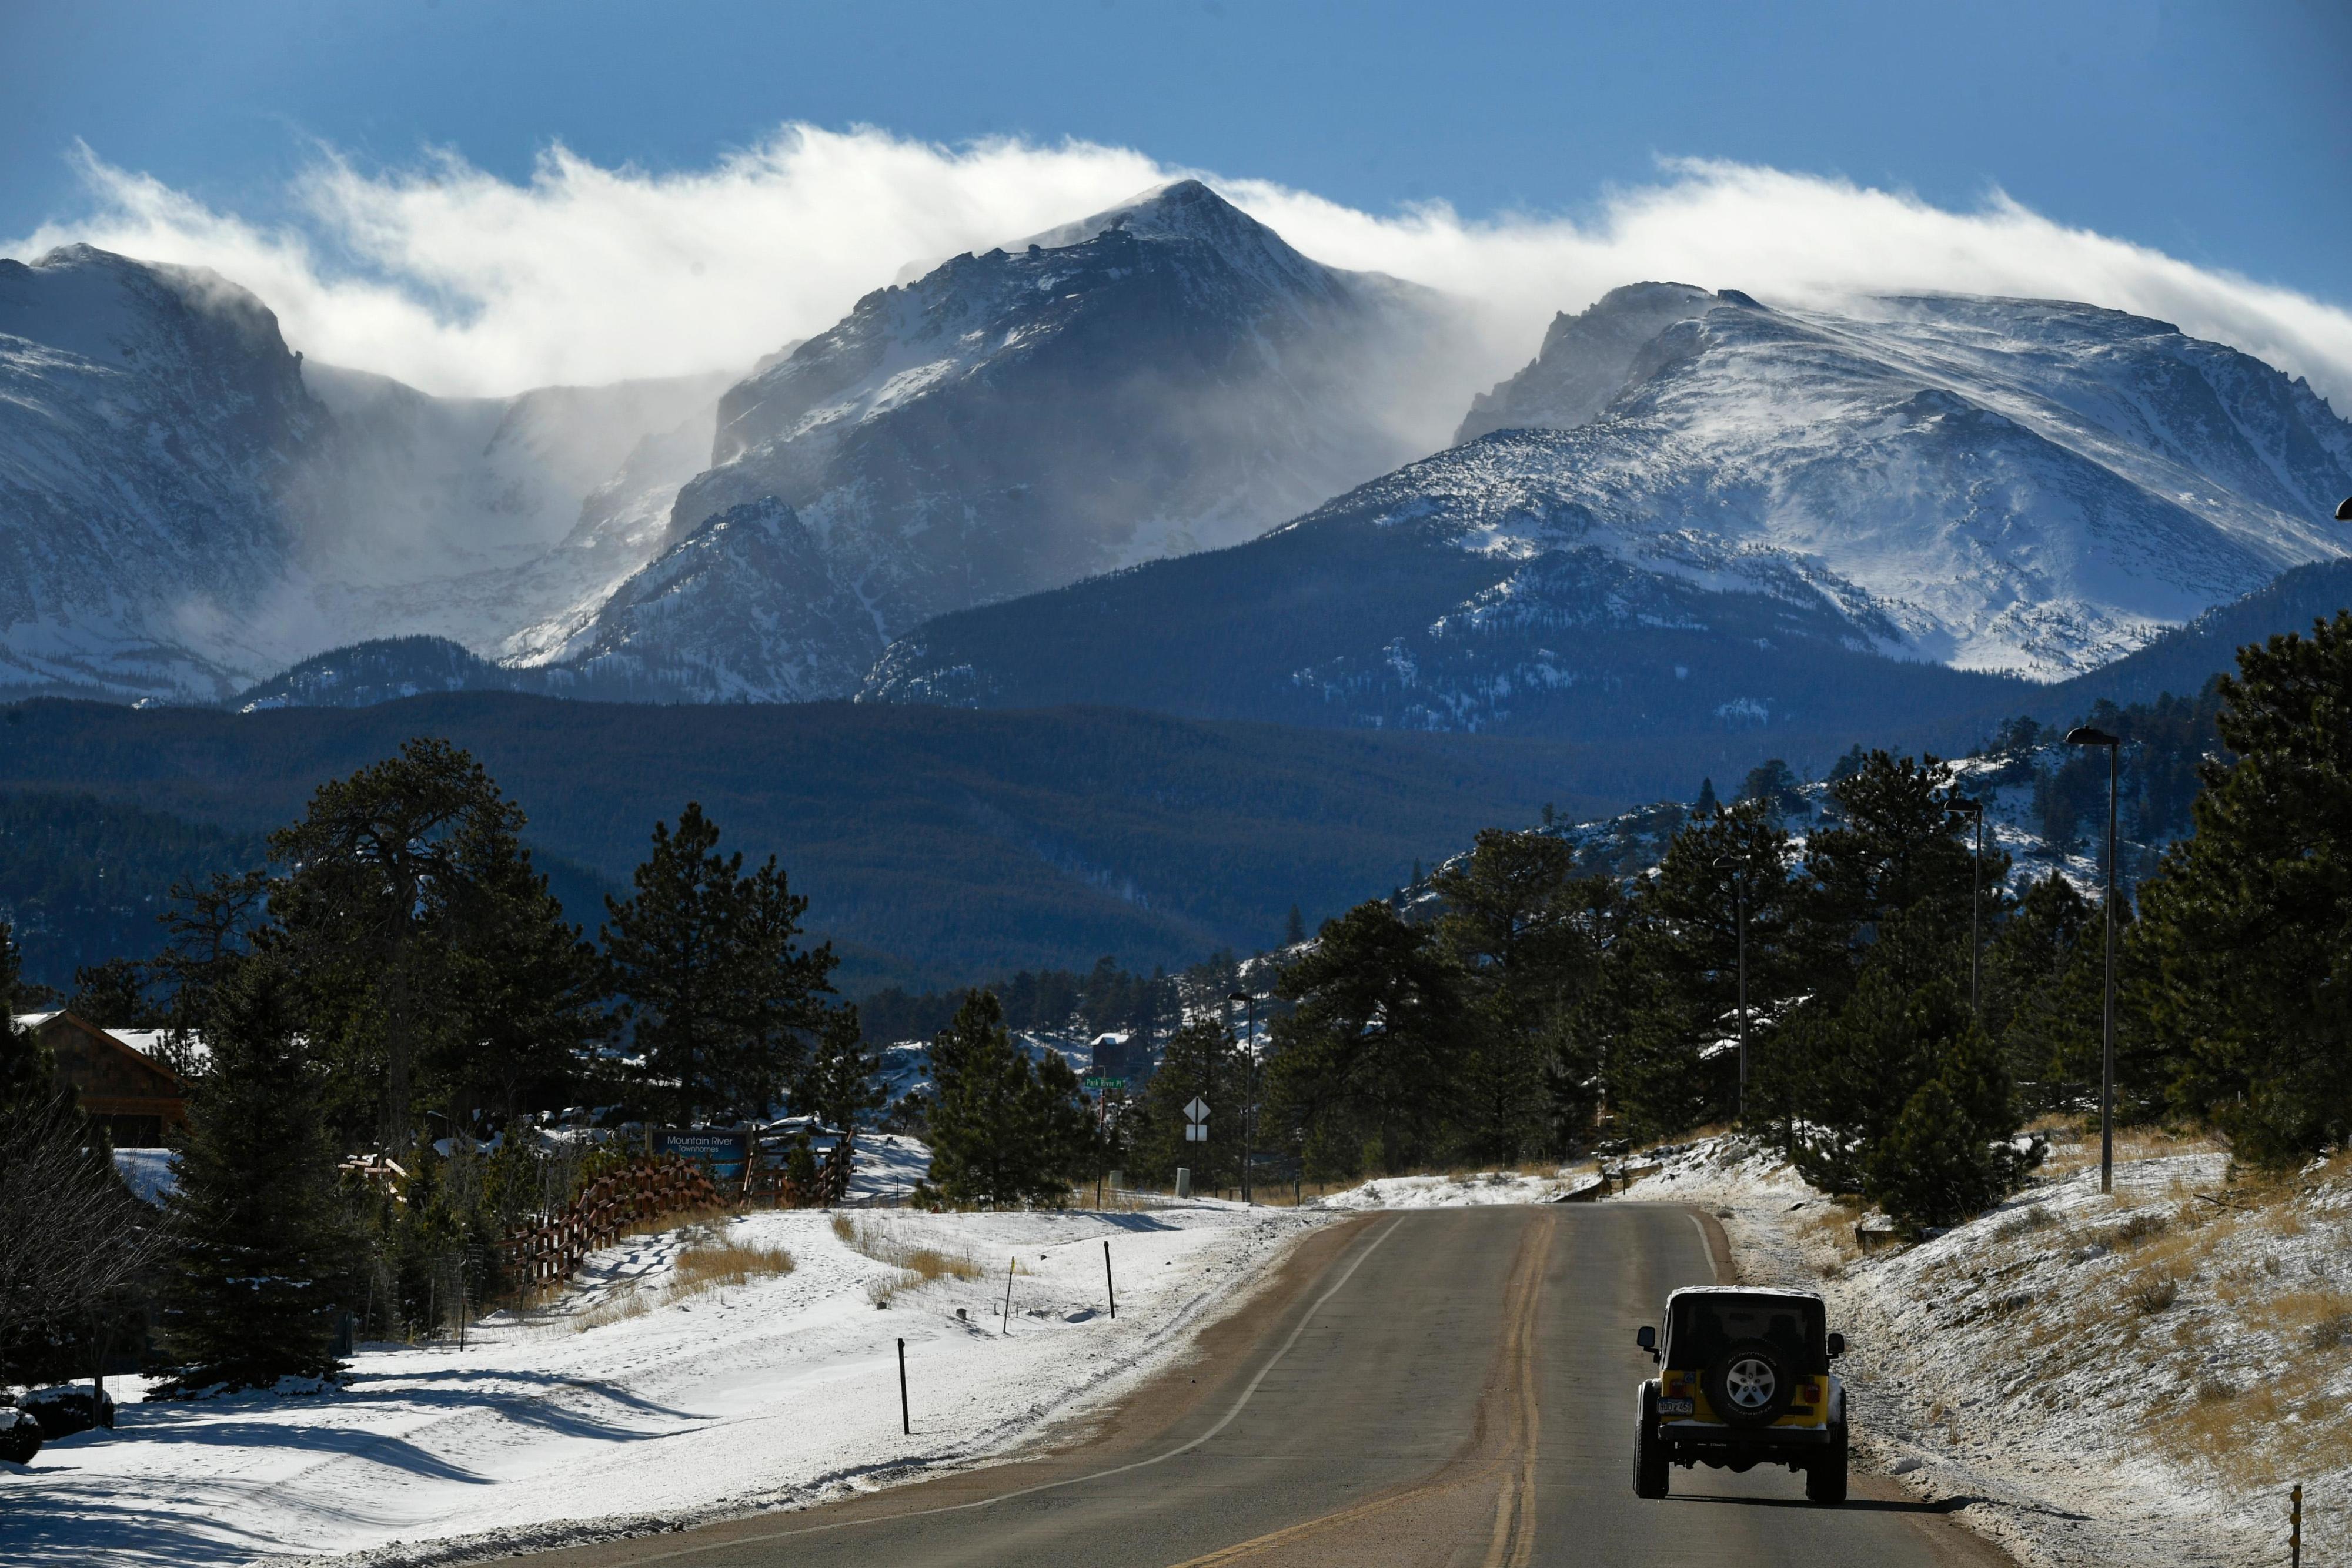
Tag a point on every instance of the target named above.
point(1704, 1327)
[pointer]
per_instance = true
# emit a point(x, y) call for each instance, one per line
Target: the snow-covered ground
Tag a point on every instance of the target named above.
point(773, 1393)
point(2122, 1381)
point(1458, 1191)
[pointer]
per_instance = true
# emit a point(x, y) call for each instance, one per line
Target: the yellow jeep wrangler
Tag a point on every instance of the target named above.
point(1743, 1380)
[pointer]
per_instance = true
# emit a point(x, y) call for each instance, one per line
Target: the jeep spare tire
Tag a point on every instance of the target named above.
point(1751, 1384)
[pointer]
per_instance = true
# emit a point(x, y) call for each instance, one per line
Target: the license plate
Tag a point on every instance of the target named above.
point(1674, 1407)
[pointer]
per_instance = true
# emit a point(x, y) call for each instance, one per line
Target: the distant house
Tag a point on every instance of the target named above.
point(140, 1100)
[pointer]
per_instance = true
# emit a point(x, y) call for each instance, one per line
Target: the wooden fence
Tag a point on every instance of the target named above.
point(606, 1210)
point(612, 1205)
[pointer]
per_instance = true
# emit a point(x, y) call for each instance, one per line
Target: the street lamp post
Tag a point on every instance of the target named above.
point(1249, 1091)
point(1739, 870)
point(2083, 735)
point(1961, 805)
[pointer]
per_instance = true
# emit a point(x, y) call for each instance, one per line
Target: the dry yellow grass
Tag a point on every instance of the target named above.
point(720, 1263)
point(707, 1263)
point(917, 1265)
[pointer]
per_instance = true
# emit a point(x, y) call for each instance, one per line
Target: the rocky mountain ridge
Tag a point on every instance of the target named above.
point(1776, 518)
point(1159, 378)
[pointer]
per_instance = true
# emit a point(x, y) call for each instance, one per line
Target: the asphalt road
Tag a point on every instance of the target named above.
point(1435, 1388)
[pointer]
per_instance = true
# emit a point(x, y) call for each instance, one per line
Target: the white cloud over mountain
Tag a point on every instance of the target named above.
point(459, 281)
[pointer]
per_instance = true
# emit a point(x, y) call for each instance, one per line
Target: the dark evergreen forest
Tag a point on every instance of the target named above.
point(941, 847)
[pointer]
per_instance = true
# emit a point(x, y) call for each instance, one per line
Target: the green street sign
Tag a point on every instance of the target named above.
point(1105, 1082)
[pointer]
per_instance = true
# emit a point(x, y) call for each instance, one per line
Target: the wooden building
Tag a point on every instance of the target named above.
point(140, 1101)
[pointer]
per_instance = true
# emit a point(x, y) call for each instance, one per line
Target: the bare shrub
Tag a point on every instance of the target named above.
point(2155, 1295)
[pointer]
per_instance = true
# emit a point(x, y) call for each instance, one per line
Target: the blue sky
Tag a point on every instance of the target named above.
point(2221, 134)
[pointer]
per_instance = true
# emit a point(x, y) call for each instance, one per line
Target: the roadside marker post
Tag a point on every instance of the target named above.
point(906, 1421)
point(1109, 1287)
point(2294, 1527)
point(1010, 1265)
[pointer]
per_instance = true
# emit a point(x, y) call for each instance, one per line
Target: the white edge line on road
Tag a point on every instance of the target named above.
point(1706, 1243)
point(1227, 1420)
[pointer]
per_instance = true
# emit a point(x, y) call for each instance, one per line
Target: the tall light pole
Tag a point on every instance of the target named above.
point(1961, 805)
point(2083, 735)
point(1249, 1091)
point(1739, 869)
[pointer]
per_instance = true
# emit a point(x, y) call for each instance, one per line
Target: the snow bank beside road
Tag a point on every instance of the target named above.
point(776, 1393)
point(1457, 1191)
point(2128, 1381)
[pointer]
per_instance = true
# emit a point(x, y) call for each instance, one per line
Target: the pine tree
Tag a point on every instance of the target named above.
point(254, 1293)
point(409, 912)
point(1950, 1154)
point(1931, 1169)
point(113, 995)
point(842, 1078)
point(1522, 930)
point(1895, 847)
point(1706, 805)
point(1004, 1131)
point(1202, 1061)
point(2246, 940)
point(1358, 1070)
point(24, 1068)
point(1678, 994)
point(1294, 929)
point(718, 992)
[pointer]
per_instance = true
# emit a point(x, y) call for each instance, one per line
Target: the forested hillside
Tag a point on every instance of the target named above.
point(939, 847)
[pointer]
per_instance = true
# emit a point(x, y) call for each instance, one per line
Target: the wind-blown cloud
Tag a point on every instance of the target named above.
point(459, 281)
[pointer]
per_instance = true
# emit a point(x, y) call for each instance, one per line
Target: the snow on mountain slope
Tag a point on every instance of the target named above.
point(184, 506)
point(1694, 512)
point(148, 420)
point(727, 614)
point(1162, 378)
point(2028, 486)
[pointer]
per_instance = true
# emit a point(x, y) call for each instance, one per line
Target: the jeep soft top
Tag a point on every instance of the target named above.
point(1743, 1379)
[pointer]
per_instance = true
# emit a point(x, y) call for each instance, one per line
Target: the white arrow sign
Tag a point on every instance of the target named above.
point(1198, 1111)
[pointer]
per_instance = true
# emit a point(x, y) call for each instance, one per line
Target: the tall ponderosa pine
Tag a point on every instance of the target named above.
point(114, 995)
point(2247, 929)
point(1357, 1073)
point(1897, 846)
point(23, 1070)
point(716, 989)
point(2043, 971)
point(1003, 1130)
point(1674, 1062)
point(210, 929)
point(1523, 932)
point(410, 912)
point(262, 1242)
